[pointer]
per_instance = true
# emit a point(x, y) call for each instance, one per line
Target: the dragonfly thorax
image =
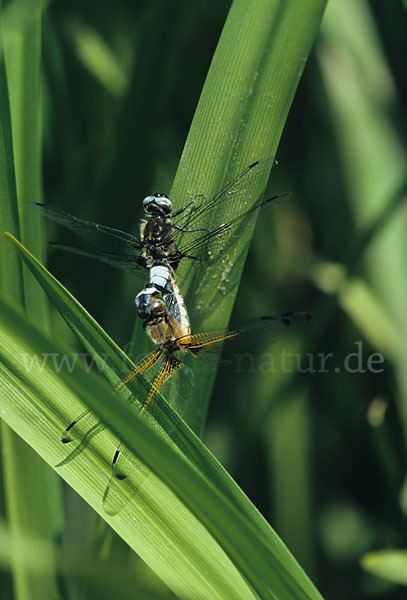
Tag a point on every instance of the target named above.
point(156, 233)
point(157, 204)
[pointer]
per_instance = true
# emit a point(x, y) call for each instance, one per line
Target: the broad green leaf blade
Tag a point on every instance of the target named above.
point(37, 392)
point(38, 402)
point(241, 114)
point(240, 117)
point(223, 528)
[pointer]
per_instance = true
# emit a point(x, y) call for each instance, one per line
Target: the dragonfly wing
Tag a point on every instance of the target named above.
point(266, 330)
point(127, 263)
point(114, 246)
point(216, 258)
point(234, 196)
point(141, 367)
point(222, 237)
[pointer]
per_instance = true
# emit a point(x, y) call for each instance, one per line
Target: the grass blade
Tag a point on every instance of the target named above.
point(240, 117)
point(207, 506)
point(25, 474)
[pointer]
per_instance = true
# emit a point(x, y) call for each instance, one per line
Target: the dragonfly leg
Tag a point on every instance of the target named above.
point(181, 210)
point(184, 230)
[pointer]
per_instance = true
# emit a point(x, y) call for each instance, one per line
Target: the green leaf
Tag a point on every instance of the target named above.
point(204, 508)
point(25, 475)
point(204, 537)
point(245, 101)
point(241, 114)
point(22, 45)
point(10, 266)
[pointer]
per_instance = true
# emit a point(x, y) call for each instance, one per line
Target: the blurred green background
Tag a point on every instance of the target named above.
point(318, 450)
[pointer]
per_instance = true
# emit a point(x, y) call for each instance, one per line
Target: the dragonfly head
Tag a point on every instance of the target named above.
point(152, 311)
point(157, 203)
point(157, 307)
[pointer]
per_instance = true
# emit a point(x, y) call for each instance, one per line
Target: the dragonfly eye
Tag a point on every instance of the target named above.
point(157, 307)
point(157, 203)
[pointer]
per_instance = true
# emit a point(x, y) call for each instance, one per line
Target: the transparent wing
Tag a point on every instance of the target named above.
point(118, 248)
point(234, 194)
point(127, 263)
point(209, 253)
point(213, 258)
point(266, 330)
point(208, 246)
point(204, 225)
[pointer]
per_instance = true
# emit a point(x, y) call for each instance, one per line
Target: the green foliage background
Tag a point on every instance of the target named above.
point(319, 452)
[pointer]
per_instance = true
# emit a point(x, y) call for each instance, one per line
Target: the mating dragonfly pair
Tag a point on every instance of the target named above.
point(168, 239)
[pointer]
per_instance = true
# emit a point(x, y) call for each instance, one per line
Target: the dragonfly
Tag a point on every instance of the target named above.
point(169, 237)
point(170, 330)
